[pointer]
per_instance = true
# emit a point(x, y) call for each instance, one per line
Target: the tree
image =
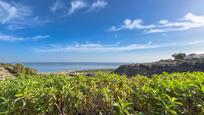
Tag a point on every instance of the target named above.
point(179, 56)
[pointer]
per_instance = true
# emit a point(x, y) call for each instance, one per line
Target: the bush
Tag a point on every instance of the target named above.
point(19, 69)
point(30, 71)
point(179, 56)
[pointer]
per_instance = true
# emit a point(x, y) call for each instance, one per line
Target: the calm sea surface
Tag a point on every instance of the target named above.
point(71, 66)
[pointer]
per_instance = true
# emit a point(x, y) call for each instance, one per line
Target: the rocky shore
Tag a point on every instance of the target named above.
point(182, 63)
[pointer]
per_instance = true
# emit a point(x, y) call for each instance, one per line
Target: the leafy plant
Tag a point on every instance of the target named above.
point(176, 93)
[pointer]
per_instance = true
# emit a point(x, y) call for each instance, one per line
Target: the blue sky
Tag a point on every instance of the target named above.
point(99, 30)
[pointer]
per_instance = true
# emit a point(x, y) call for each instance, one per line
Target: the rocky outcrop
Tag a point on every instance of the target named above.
point(159, 67)
point(17, 69)
point(12, 70)
point(4, 73)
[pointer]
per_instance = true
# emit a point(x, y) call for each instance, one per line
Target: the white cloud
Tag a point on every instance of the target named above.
point(189, 21)
point(59, 4)
point(96, 47)
point(77, 5)
point(131, 25)
point(98, 5)
point(11, 38)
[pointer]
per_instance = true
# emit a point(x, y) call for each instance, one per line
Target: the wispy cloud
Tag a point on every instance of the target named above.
point(11, 38)
point(4, 37)
point(13, 13)
point(96, 47)
point(77, 5)
point(99, 4)
point(18, 16)
point(59, 4)
point(37, 37)
point(189, 21)
point(27, 23)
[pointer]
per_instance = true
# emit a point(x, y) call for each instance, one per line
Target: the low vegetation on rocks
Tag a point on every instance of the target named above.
point(180, 63)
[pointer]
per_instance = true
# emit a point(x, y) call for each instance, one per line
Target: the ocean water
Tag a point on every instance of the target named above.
point(71, 66)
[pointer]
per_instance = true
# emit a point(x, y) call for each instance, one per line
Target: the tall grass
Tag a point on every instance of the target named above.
point(177, 93)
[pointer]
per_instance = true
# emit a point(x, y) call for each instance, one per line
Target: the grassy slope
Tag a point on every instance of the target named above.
point(178, 93)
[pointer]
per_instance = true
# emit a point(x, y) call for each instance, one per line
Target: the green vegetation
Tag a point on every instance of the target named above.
point(176, 93)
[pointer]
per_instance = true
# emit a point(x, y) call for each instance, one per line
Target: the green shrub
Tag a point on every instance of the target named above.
point(19, 69)
point(177, 93)
point(30, 71)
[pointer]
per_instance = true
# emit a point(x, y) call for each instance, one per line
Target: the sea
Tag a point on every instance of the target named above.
point(71, 66)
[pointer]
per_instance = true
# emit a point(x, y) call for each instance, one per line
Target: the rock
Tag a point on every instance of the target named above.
point(90, 74)
point(73, 74)
point(4, 73)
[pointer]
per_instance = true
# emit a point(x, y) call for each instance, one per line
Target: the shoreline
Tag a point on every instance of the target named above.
point(79, 71)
